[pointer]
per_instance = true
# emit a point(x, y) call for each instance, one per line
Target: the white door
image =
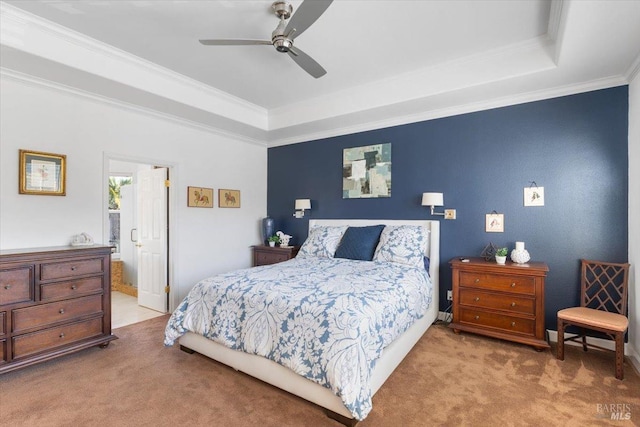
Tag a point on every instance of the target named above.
point(152, 239)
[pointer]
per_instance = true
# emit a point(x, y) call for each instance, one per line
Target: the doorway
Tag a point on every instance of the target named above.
point(138, 229)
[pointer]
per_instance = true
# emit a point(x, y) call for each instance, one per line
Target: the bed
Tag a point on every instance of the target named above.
point(326, 389)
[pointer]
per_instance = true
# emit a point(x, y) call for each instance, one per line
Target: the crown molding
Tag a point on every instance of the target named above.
point(633, 70)
point(498, 64)
point(13, 33)
point(454, 111)
point(48, 84)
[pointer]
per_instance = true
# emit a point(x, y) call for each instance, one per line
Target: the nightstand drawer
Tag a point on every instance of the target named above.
point(15, 285)
point(498, 282)
point(497, 301)
point(270, 258)
point(71, 289)
point(498, 321)
point(25, 345)
point(59, 270)
point(55, 312)
point(266, 255)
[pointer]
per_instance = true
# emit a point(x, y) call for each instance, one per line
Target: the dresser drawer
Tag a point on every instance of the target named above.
point(498, 282)
point(495, 320)
point(59, 270)
point(70, 289)
point(265, 258)
point(497, 301)
point(55, 312)
point(3, 351)
point(16, 285)
point(26, 345)
point(3, 324)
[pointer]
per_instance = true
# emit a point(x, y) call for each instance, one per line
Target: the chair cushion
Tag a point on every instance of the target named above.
point(599, 318)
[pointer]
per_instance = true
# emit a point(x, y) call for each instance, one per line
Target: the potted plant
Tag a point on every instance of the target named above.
point(273, 240)
point(501, 255)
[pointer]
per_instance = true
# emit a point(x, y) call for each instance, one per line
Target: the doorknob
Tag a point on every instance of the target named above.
point(138, 245)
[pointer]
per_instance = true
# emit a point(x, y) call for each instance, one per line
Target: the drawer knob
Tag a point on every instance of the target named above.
point(513, 324)
point(477, 280)
point(513, 304)
point(61, 311)
point(7, 287)
point(74, 287)
point(476, 299)
point(61, 334)
point(74, 268)
point(477, 317)
point(513, 285)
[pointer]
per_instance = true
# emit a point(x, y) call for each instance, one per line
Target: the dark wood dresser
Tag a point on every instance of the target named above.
point(500, 301)
point(53, 301)
point(265, 255)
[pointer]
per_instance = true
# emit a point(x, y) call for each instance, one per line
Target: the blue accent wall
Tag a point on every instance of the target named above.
point(576, 147)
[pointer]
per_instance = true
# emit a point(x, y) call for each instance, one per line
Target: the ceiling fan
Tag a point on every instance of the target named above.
point(285, 33)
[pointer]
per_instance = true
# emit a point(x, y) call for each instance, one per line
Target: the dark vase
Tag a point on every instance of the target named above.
point(268, 229)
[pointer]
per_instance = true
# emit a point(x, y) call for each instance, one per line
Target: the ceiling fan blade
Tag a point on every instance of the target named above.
point(233, 42)
point(306, 62)
point(308, 12)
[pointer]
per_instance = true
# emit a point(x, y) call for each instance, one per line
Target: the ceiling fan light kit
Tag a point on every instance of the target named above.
point(287, 30)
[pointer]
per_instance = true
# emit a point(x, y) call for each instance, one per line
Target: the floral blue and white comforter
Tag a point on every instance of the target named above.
point(326, 319)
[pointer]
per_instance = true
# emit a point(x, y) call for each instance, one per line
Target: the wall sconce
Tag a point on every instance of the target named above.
point(301, 206)
point(433, 200)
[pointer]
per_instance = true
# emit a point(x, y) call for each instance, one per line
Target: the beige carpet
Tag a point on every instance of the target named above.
point(447, 379)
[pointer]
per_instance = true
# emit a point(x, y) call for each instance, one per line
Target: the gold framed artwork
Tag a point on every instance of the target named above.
point(199, 197)
point(228, 198)
point(494, 223)
point(42, 173)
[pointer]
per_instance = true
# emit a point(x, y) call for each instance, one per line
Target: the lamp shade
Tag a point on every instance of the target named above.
point(432, 199)
point(302, 204)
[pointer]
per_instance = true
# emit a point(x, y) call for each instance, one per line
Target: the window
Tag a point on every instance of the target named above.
point(115, 183)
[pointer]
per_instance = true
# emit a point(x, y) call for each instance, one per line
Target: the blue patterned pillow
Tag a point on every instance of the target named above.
point(404, 244)
point(322, 241)
point(359, 243)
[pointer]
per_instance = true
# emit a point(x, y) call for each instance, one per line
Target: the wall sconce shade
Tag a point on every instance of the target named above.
point(301, 205)
point(433, 200)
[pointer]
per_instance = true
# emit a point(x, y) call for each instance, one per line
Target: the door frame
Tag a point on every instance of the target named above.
point(172, 167)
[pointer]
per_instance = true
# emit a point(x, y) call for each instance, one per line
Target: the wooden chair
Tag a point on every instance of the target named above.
point(603, 308)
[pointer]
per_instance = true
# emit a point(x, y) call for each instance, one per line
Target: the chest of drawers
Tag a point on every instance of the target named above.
point(500, 301)
point(266, 255)
point(53, 301)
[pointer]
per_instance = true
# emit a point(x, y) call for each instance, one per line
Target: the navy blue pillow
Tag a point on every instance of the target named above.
point(359, 243)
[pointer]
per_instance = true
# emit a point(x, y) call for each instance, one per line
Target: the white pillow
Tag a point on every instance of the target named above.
point(323, 241)
point(403, 244)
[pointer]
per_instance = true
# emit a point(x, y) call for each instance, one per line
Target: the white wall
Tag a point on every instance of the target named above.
point(205, 241)
point(634, 218)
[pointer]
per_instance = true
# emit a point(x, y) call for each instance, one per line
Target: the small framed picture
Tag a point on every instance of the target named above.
point(534, 196)
point(42, 173)
point(494, 223)
point(199, 197)
point(228, 198)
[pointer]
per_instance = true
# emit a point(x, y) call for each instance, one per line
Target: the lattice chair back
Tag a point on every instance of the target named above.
point(604, 286)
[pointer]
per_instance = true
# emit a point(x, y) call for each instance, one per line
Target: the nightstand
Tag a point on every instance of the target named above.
point(265, 255)
point(500, 301)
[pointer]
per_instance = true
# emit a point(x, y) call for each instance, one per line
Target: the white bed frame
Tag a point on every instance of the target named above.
point(281, 377)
